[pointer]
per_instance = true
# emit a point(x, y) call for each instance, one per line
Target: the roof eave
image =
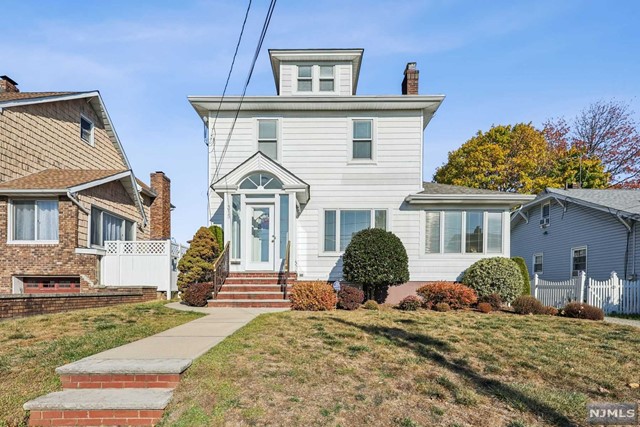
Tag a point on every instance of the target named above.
point(445, 199)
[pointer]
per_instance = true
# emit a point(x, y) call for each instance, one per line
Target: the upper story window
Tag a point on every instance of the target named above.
point(362, 139)
point(268, 137)
point(316, 78)
point(106, 226)
point(545, 214)
point(35, 220)
point(456, 232)
point(86, 130)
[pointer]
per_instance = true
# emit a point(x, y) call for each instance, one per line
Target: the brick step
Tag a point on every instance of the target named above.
point(253, 288)
point(106, 407)
point(122, 373)
point(250, 295)
point(279, 303)
point(253, 281)
point(258, 274)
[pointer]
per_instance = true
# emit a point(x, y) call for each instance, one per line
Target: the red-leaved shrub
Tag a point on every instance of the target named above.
point(526, 304)
point(313, 296)
point(493, 300)
point(550, 311)
point(410, 303)
point(197, 294)
point(350, 298)
point(484, 307)
point(580, 310)
point(454, 294)
point(442, 307)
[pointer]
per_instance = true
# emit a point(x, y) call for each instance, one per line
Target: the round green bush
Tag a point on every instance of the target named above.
point(495, 276)
point(375, 259)
point(371, 305)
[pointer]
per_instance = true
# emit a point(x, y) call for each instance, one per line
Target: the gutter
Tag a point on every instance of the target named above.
point(77, 202)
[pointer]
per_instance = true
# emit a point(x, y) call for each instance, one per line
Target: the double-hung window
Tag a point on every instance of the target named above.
point(341, 225)
point(86, 130)
point(545, 214)
point(305, 78)
point(35, 220)
point(326, 80)
point(578, 260)
point(538, 260)
point(362, 143)
point(106, 226)
point(458, 232)
point(315, 79)
point(268, 137)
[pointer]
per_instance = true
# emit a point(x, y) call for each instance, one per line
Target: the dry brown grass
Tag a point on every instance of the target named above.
point(31, 348)
point(391, 368)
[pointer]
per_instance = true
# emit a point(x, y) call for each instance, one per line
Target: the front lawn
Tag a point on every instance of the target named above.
point(394, 368)
point(31, 348)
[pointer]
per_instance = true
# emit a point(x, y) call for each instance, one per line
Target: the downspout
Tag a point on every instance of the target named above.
point(77, 203)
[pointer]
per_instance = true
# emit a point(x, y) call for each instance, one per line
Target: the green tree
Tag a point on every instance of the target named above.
point(574, 166)
point(505, 158)
point(218, 233)
point(196, 266)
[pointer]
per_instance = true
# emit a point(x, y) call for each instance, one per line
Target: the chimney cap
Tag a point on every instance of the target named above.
point(9, 79)
point(411, 66)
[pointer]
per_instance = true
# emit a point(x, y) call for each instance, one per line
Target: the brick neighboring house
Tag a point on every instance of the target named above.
point(66, 186)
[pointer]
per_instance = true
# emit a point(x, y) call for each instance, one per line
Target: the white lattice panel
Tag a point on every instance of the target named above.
point(111, 247)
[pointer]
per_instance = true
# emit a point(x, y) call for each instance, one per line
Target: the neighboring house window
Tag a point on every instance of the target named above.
point(326, 78)
point(578, 260)
point(362, 139)
point(341, 225)
point(35, 220)
point(268, 137)
point(305, 78)
point(444, 232)
point(545, 214)
point(537, 263)
point(106, 226)
point(86, 130)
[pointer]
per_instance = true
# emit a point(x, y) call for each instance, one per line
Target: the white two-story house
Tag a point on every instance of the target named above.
point(312, 165)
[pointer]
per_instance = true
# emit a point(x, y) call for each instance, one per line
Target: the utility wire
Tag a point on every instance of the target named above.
point(265, 27)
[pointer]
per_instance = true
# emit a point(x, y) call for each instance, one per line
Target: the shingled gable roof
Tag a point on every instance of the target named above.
point(57, 179)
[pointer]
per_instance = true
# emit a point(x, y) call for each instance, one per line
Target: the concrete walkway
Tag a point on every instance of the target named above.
point(621, 321)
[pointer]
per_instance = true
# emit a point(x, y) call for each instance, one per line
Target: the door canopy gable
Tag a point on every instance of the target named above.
point(260, 172)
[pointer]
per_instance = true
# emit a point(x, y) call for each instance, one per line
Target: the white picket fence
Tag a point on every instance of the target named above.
point(611, 295)
point(142, 263)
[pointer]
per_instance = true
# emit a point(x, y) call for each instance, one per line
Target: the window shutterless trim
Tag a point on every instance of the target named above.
point(541, 255)
point(120, 217)
point(463, 233)
point(338, 251)
point(11, 219)
point(91, 140)
point(573, 250)
point(351, 139)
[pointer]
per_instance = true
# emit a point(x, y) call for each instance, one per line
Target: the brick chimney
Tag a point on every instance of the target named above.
point(410, 82)
point(161, 207)
point(8, 85)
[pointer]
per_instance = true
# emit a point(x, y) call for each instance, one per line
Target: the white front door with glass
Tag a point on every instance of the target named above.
point(260, 238)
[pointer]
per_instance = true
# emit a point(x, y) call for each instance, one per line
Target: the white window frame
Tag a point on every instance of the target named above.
point(256, 135)
point(124, 230)
point(533, 262)
point(372, 213)
point(586, 259)
point(547, 219)
point(463, 243)
point(91, 140)
point(315, 79)
point(333, 78)
point(350, 140)
point(10, 221)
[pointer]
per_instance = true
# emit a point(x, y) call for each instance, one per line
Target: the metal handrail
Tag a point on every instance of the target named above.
point(220, 270)
point(286, 270)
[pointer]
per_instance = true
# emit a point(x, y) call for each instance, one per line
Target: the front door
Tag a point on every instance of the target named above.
point(260, 234)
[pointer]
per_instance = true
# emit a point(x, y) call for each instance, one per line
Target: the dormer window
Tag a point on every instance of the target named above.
point(316, 78)
point(305, 78)
point(86, 130)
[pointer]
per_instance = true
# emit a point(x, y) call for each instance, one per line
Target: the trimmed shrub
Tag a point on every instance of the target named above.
point(313, 296)
point(218, 234)
point(580, 310)
point(495, 275)
point(410, 303)
point(375, 259)
point(524, 271)
point(197, 294)
point(493, 300)
point(454, 294)
point(196, 265)
point(550, 311)
point(485, 307)
point(371, 305)
point(350, 298)
point(442, 307)
point(526, 304)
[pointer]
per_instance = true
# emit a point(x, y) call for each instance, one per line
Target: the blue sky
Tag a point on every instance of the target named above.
point(498, 62)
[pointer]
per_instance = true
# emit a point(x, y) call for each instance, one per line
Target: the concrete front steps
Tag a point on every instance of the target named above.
point(253, 289)
point(109, 392)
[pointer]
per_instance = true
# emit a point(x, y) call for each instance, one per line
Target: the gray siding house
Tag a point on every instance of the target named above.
point(563, 232)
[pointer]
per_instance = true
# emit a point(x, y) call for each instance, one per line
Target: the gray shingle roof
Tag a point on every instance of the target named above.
point(619, 200)
point(433, 188)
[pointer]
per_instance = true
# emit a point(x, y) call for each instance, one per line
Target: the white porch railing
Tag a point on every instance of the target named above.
point(611, 295)
point(142, 263)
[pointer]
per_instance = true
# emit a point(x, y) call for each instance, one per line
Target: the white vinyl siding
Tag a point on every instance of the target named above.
point(34, 221)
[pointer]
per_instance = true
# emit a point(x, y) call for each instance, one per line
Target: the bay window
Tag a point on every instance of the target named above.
point(106, 226)
point(463, 232)
point(341, 224)
point(35, 220)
